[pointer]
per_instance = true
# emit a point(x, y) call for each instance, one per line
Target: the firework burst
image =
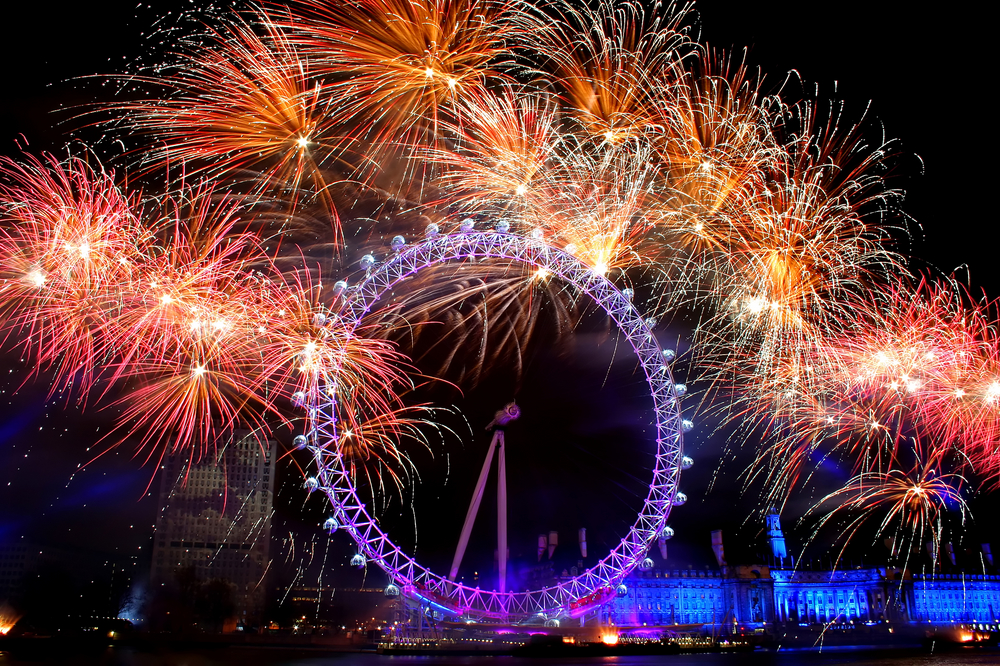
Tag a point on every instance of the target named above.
point(69, 243)
point(909, 505)
point(604, 130)
point(504, 142)
point(239, 103)
point(393, 66)
point(609, 63)
point(171, 308)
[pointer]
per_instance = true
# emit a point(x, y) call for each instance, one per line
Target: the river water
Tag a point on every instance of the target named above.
point(270, 657)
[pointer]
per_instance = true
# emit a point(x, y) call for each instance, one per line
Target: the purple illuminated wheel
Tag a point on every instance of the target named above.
point(570, 597)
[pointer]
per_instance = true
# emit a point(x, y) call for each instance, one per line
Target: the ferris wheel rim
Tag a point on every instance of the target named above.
point(415, 580)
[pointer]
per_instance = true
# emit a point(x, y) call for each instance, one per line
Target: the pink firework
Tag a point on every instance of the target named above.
point(69, 250)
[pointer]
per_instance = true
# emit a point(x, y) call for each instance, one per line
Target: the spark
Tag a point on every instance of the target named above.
point(762, 218)
point(36, 278)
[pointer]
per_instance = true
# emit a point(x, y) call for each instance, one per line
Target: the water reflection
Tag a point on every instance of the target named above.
point(284, 657)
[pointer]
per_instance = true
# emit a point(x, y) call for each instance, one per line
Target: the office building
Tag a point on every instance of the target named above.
point(215, 521)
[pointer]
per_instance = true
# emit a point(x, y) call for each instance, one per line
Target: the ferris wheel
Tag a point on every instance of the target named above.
point(572, 596)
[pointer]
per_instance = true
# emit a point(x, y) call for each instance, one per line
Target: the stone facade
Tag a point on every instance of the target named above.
point(747, 596)
point(955, 598)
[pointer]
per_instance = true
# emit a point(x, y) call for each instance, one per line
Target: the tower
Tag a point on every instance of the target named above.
point(215, 520)
point(775, 537)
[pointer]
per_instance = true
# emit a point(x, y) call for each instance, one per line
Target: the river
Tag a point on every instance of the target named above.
point(118, 656)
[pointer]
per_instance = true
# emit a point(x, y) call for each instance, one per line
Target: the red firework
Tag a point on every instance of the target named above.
point(69, 244)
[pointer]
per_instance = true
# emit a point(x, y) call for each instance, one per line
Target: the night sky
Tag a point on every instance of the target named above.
point(924, 77)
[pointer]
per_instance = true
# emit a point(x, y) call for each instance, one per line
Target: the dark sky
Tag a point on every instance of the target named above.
point(923, 76)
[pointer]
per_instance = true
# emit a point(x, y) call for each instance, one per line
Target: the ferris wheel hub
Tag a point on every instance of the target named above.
point(510, 412)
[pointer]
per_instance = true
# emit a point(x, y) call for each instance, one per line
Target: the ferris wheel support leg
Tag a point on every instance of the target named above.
point(501, 510)
point(470, 516)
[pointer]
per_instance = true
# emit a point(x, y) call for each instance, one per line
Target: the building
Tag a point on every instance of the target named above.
point(735, 595)
point(65, 588)
point(757, 595)
point(775, 537)
point(764, 595)
point(215, 521)
point(819, 597)
point(17, 561)
point(953, 598)
point(657, 598)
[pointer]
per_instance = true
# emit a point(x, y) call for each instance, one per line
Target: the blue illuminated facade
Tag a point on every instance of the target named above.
point(820, 597)
point(758, 595)
point(955, 598)
point(670, 597)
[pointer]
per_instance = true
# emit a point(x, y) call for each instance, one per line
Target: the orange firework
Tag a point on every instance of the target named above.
point(498, 305)
point(716, 147)
point(800, 259)
point(715, 136)
point(508, 156)
point(597, 206)
point(239, 105)
point(392, 65)
point(610, 61)
point(909, 505)
point(307, 349)
point(500, 147)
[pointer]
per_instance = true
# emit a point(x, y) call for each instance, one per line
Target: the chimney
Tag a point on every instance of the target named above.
point(720, 556)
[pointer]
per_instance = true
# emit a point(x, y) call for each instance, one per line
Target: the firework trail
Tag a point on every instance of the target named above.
point(910, 505)
point(315, 132)
point(171, 309)
point(394, 69)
